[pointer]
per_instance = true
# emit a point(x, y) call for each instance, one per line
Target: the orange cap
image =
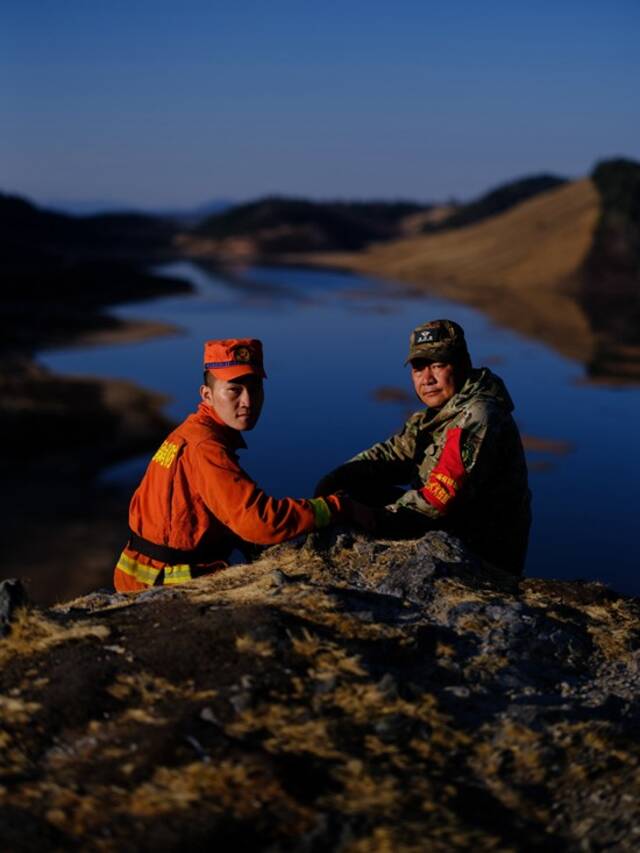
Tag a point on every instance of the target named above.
point(233, 357)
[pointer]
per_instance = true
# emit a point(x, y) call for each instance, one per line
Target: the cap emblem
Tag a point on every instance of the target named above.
point(427, 336)
point(242, 354)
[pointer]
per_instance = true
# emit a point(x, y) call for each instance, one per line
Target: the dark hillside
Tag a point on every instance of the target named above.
point(616, 243)
point(58, 274)
point(610, 289)
point(497, 201)
point(283, 224)
point(28, 232)
point(58, 270)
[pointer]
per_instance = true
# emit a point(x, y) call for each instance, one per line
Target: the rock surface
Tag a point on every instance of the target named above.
point(341, 694)
point(12, 597)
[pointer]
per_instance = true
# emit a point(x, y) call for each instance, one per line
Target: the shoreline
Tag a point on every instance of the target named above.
point(552, 316)
point(59, 431)
point(546, 268)
point(126, 332)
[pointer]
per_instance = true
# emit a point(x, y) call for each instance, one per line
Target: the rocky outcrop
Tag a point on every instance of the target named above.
point(344, 694)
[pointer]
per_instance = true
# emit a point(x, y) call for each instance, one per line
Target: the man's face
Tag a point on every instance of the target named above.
point(434, 381)
point(238, 401)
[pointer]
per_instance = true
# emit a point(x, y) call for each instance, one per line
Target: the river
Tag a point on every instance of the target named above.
point(332, 341)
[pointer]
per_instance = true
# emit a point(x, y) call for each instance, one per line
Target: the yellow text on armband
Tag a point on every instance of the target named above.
point(445, 480)
point(440, 494)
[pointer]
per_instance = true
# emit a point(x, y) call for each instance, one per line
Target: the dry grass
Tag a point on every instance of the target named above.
point(246, 644)
point(521, 266)
point(535, 244)
point(32, 633)
point(614, 628)
point(227, 785)
point(362, 793)
point(289, 728)
point(147, 690)
point(14, 710)
point(329, 727)
point(511, 760)
point(329, 659)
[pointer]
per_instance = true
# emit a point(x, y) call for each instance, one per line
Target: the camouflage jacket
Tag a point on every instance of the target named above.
point(466, 469)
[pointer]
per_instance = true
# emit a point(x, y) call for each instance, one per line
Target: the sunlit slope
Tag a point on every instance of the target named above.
point(539, 243)
point(521, 267)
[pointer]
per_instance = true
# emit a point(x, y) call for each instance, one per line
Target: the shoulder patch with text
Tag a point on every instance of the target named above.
point(165, 454)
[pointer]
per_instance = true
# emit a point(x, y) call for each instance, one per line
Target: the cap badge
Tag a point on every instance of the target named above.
point(426, 336)
point(242, 354)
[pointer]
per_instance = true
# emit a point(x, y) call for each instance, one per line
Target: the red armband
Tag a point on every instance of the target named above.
point(335, 503)
point(447, 477)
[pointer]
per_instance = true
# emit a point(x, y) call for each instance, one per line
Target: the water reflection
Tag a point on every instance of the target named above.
point(334, 342)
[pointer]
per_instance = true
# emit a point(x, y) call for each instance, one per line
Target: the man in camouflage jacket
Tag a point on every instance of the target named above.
point(462, 457)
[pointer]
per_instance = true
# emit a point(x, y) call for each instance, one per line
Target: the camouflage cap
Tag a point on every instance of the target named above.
point(438, 340)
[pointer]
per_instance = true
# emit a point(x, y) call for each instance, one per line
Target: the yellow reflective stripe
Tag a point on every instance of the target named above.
point(177, 574)
point(321, 511)
point(147, 574)
point(139, 571)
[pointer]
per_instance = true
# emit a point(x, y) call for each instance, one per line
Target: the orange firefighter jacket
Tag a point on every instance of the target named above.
point(195, 495)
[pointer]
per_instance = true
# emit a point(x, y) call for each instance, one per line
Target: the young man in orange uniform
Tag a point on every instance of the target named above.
point(195, 503)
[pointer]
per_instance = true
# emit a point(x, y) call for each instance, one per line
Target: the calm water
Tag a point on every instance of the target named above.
point(331, 340)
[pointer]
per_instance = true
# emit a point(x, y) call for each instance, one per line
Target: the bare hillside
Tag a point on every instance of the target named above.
point(521, 267)
point(536, 244)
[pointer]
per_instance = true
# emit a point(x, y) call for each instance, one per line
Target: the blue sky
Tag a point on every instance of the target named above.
point(162, 104)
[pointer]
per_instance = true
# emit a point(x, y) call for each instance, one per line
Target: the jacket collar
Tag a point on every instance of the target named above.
point(481, 383)
point(226, 435)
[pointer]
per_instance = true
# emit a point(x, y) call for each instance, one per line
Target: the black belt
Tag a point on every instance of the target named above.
point(172, 556)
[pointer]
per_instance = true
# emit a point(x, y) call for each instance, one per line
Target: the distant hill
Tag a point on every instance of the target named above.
point(617, 238)
point(192, 217)
point(563, 266)
point(87, 207)
point(58, 271)
point(30, 233)
point(610, 287)
point(187, 216)
point(534, 244)
point(520, 267)
point(496, 201)
point(279, 225)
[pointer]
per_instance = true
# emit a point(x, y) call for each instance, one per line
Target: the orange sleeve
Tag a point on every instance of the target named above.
point(239, 503)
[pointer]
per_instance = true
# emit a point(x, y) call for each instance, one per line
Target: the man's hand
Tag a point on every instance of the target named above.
point(328, 485)
point(358, 514)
